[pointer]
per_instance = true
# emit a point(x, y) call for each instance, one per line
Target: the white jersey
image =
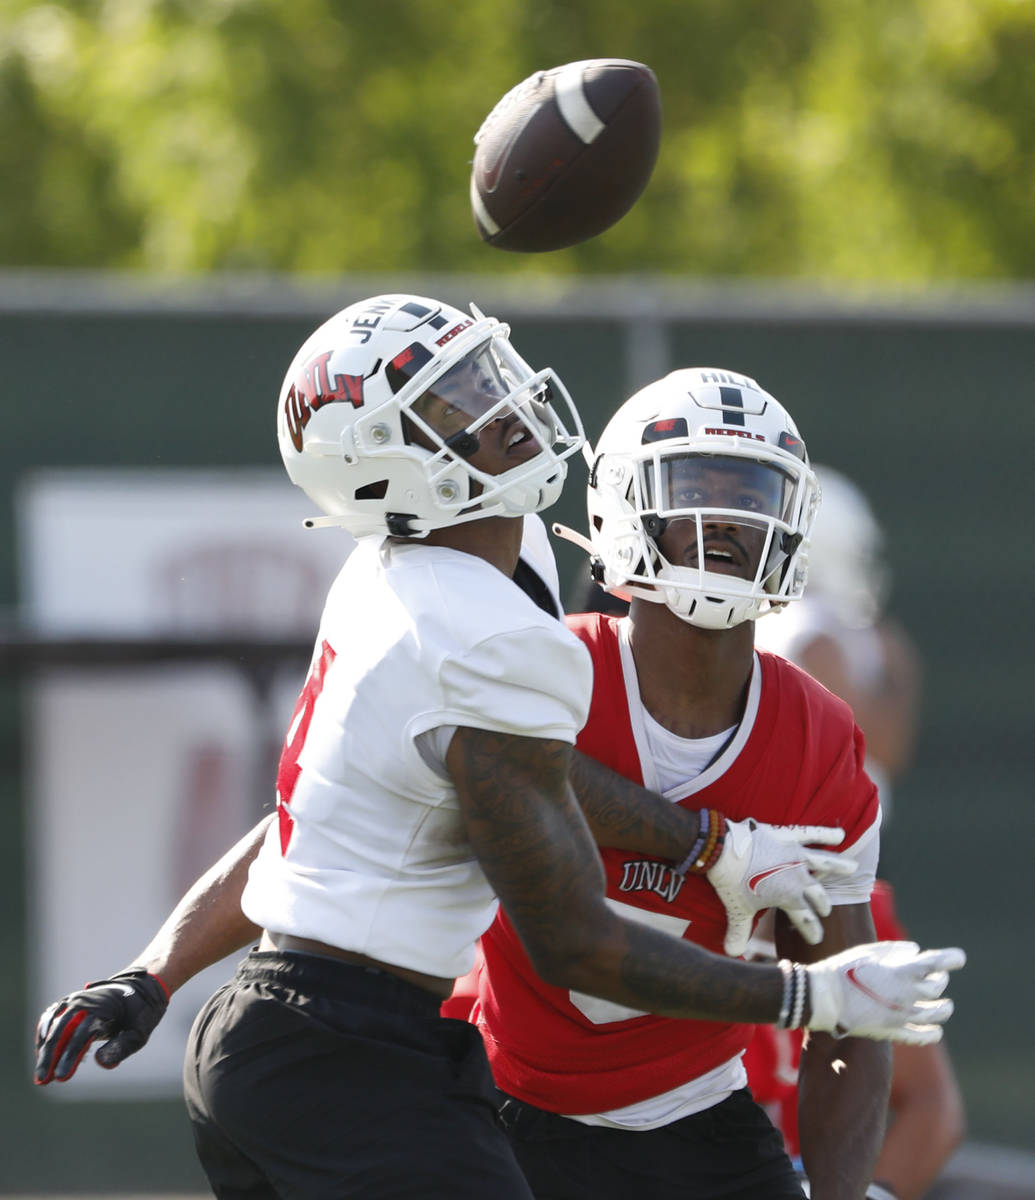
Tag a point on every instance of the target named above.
point(370, 853)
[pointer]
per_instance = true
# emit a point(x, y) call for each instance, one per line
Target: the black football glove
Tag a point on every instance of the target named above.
point(121, 1011)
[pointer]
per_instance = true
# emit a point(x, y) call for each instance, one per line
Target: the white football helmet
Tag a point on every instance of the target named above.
point(847, 565)
point(705, 456)
point(381, 411)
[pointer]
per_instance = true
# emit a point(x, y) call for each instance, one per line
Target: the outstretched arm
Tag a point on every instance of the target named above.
point(532, 841)
point(204, 927)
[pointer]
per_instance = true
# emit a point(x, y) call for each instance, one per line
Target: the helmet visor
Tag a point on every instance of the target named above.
point(723, 485)
point(484, 385)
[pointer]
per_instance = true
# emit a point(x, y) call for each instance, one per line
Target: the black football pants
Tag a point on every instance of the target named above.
point(307, 1078)
point(731, 1151)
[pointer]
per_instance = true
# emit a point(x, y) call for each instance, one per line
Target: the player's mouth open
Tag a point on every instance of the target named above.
point(724, 559)
point(521, 442)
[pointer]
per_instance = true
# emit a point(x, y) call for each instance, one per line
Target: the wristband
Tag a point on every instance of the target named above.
point(161, 983)
point(880, 1191)
point(795, 989)
point(703, 825)
point(798, 1012)
point(787, 968)
point(709, 845)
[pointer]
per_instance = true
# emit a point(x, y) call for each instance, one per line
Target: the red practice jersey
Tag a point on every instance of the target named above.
point(796, 759)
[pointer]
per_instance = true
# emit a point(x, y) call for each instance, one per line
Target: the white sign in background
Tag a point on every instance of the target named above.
point(140, 777)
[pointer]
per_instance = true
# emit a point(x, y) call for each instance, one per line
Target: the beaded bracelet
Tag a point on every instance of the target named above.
point(703, 825)
point(711, 838)
point(709, 845)
point(709, 861)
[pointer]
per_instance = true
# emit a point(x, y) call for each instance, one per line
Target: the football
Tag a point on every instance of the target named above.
point(565, 154)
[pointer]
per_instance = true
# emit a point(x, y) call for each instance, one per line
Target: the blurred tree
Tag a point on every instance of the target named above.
point(833, 140)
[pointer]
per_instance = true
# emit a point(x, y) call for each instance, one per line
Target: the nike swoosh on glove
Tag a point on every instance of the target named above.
point(122, 1011)
point(770, 866)
point(888, 991)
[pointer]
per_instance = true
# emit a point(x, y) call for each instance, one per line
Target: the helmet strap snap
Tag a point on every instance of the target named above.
point(399, 524)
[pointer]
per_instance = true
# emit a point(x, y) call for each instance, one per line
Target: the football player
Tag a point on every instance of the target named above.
point(424, 780)
point(701, 501)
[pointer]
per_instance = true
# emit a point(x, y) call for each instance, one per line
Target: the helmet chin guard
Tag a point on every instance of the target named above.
point(701, 498)
point(385, 407)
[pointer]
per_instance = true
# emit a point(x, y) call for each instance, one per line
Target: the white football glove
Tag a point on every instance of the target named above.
point(887, 991)
point(768, 866)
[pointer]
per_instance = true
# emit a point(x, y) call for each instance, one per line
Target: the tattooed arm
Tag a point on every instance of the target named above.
point(537, 851)
point(535, 847)
point(623, 814)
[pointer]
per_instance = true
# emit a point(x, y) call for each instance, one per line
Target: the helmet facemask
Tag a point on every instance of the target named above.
point(720, 531)
point(701, 498)
point(401, 415)
point(450, 419)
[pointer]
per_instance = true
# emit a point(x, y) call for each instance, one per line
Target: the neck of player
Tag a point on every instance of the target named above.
point(496, 539)
point(693, 682)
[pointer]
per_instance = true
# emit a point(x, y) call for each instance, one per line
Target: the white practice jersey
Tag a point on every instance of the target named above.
point(370, 852)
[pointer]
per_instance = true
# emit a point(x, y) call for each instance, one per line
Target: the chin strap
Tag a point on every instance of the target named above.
point(596, 563)
point(323, 523)
point(570, 535)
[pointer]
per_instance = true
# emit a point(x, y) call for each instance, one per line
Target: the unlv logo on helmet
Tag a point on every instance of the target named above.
point(422, 372)
point(312, 390)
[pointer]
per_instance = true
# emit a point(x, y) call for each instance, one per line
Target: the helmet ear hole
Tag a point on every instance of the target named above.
point(372, 491)
point(366, 416)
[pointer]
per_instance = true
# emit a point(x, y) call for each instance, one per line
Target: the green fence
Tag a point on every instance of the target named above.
point(928, 405)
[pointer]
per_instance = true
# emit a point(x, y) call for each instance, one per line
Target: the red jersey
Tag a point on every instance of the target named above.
point(795, 759)
point(773, 1054)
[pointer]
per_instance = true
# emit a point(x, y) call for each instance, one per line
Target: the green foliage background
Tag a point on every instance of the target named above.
point(829, 140)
